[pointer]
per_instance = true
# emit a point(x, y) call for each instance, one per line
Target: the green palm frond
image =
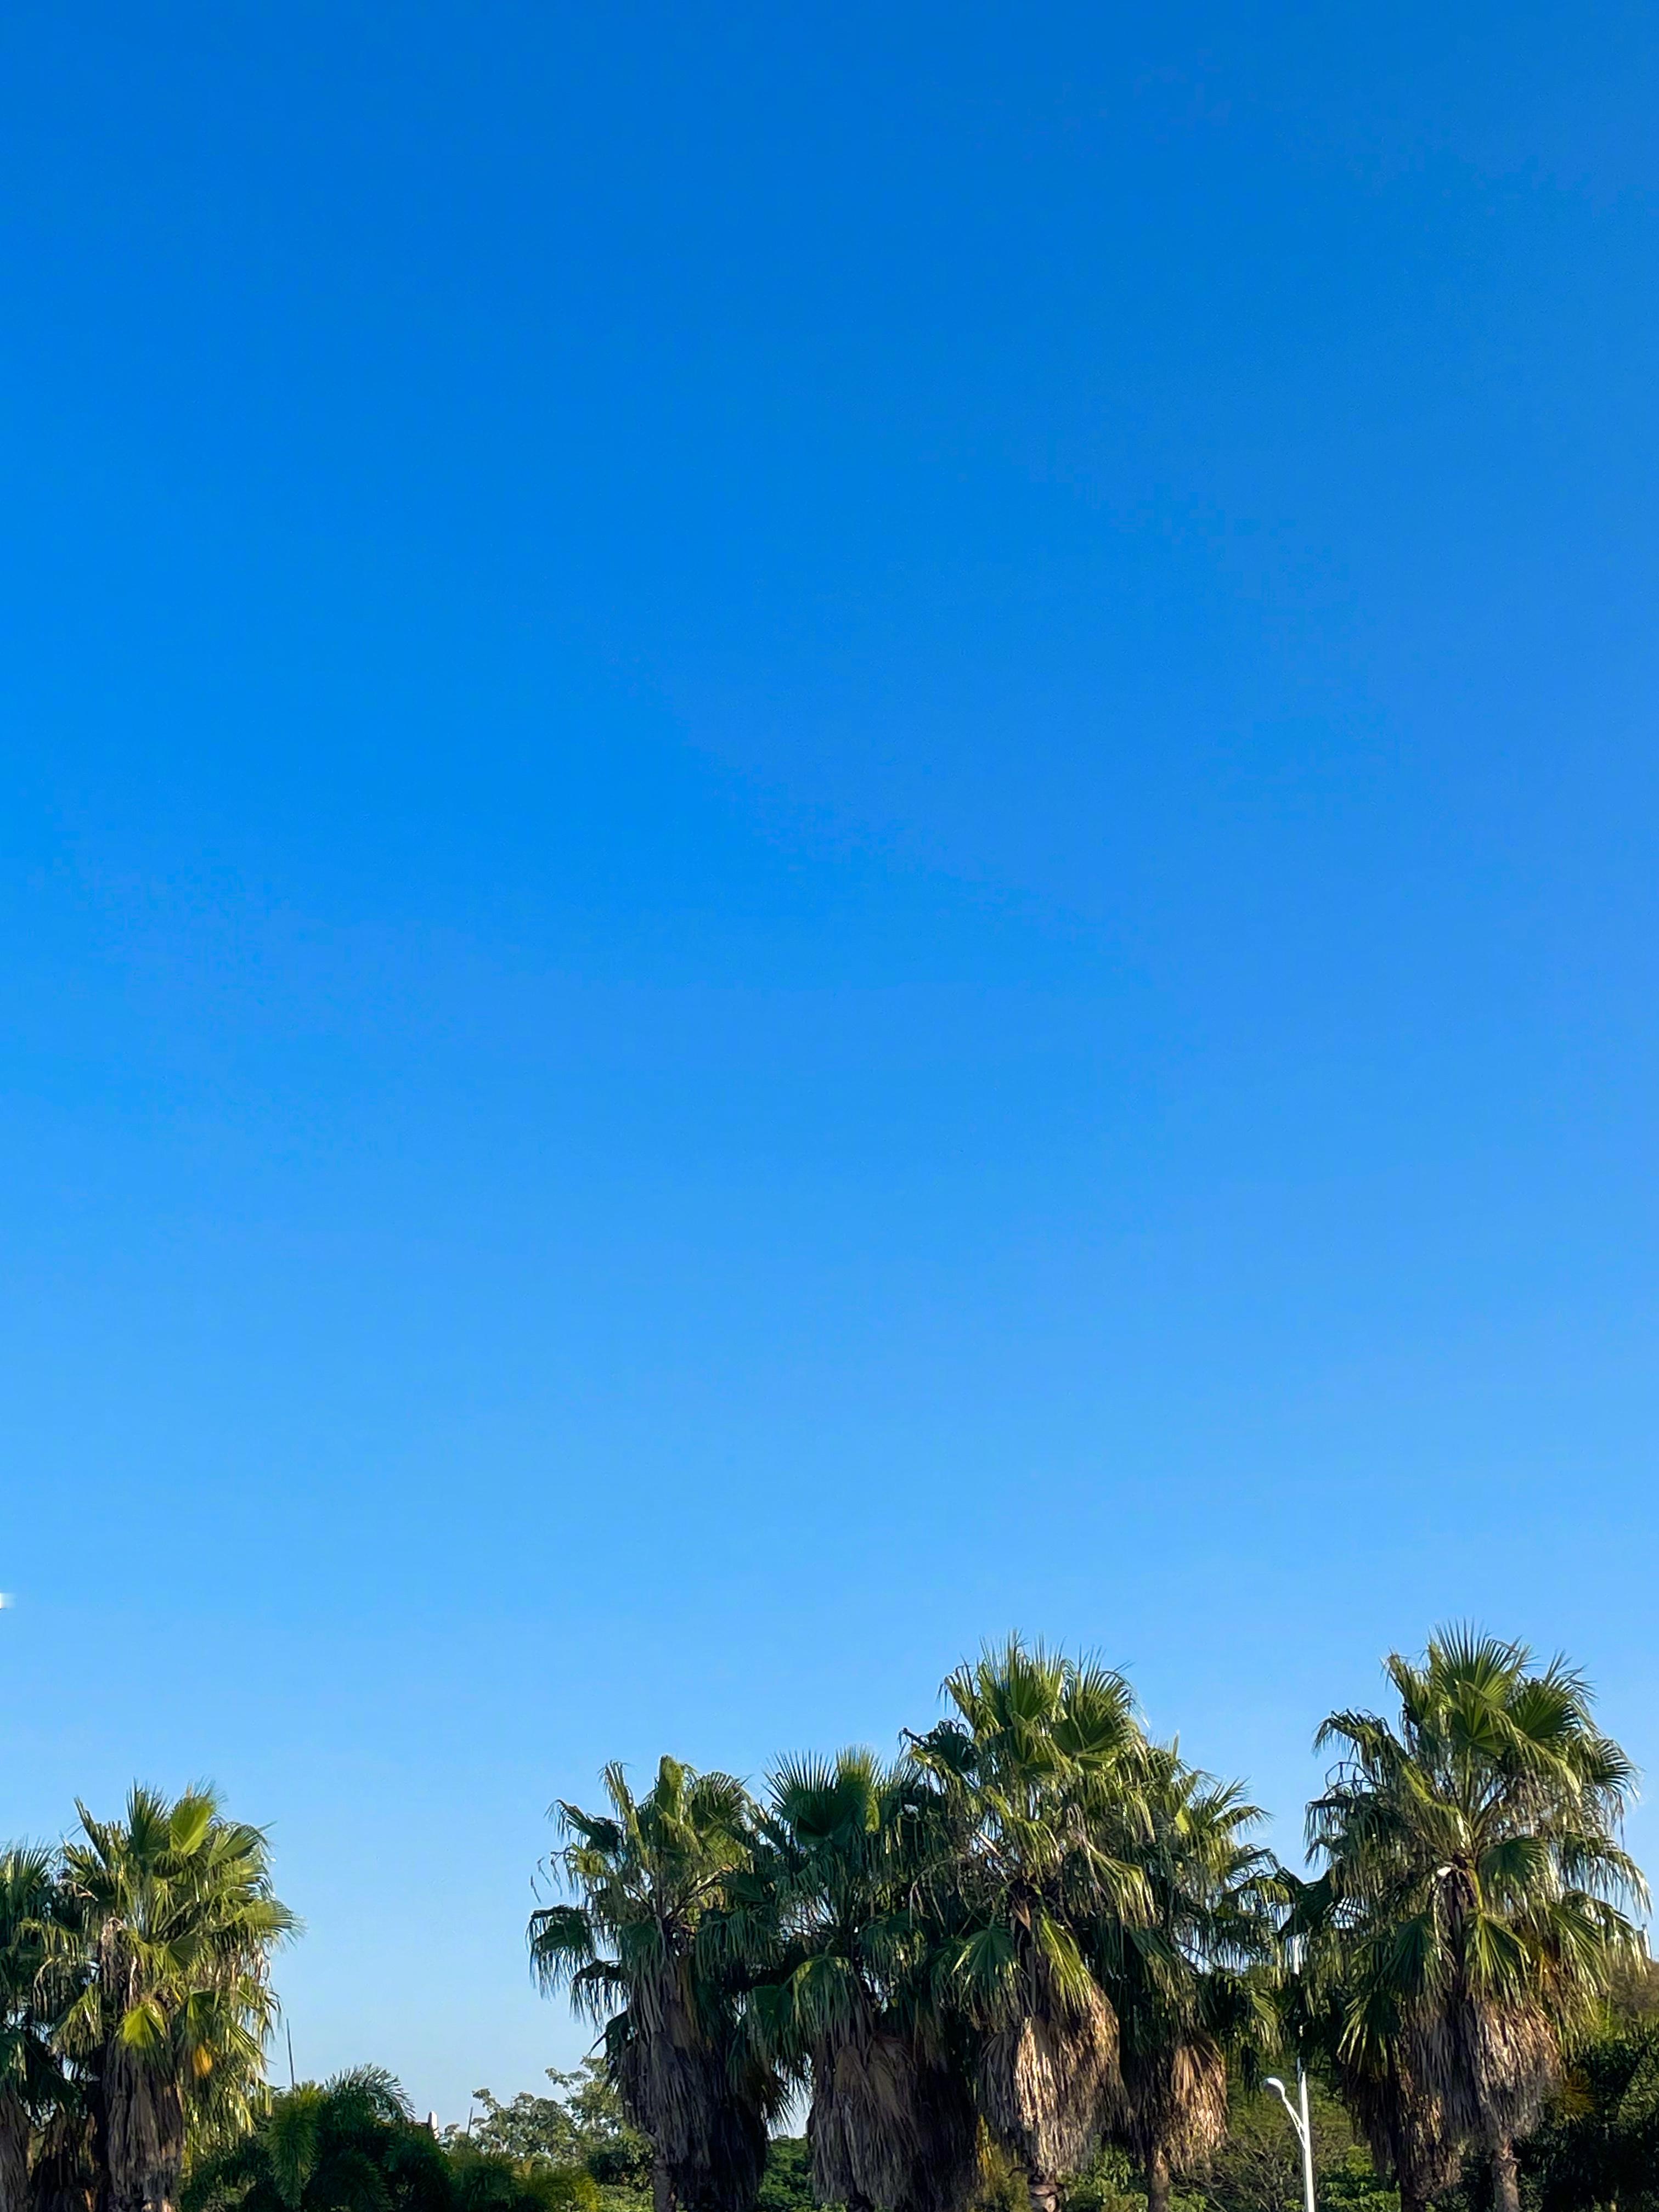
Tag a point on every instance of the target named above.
point(159, 1967)
point(1472, 1898)
point(663, 1911)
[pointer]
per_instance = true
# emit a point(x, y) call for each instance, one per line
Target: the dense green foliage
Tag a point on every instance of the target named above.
point(648, 1950)
point(1256, 2167)
point(1040, 1953)
point(786, 2185)
point(581, 2123)
point(134, 1976)
point(1043, 1771)
point(1599, 2143)
point(1189, 1981)
point(1036, 1962)
point(353, 2145)
point(838, 1954)
point(1467, 1923)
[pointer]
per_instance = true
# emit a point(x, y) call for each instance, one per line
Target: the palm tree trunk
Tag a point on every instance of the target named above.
point(144, 2134)
point(1158, 2182)
point(1505, 2183)
point(14, 2154)
point(66, 2167)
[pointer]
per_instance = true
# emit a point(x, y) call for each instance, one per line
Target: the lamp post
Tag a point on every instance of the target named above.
point(1298, 2118)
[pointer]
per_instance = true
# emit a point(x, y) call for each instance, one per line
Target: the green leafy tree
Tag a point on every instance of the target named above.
point(171, 1920)
point(646, 1949)
point(1108, 2183)
point(788, 2185)
point(843, 1999)
point(528, 2127)
point(581, 2123)
point(614, 2152)
point(490, 2181)
point(1189, 1980)
point(1257, 2168)
point(1599, 2141)
point(1043, 1770)
point(1469, 1915)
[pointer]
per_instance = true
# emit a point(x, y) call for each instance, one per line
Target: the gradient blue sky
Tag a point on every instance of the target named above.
point(824, 828)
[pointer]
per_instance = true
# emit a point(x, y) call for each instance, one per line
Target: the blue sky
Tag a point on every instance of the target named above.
point(823, 829)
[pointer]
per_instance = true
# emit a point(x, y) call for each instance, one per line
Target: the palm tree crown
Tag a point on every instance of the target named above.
point(348, 2145)
point(1044, 1768)
point(173, 1920)
point(1189, 1982)
point(648, 1950)
point(847, 1847)
point(1471, 1905)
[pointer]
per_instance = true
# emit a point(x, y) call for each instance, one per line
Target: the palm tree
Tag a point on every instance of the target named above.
point(647, 1950)
point(174, 1921)
point(1043, 1771)
point(353, 2144)
point(1189, 1984)
point(347, 2145)
point(30, 2081)
point(1467, 1917)
point(844, 1996)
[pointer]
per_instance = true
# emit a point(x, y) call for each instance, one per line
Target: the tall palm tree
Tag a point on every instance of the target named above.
point(31, 2082)
point(174, 1921)
point(1189, 1982)
point(1469, 1912)
point(1043, 1770)
point(647, 1950)
point(844, 1998)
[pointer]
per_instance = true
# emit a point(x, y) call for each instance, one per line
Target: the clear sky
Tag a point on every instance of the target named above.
point(824, 827)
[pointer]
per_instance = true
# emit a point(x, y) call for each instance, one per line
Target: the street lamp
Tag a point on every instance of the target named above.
point(1304, 2132)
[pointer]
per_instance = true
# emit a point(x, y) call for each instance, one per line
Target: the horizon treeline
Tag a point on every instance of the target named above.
point(1035, 1962)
